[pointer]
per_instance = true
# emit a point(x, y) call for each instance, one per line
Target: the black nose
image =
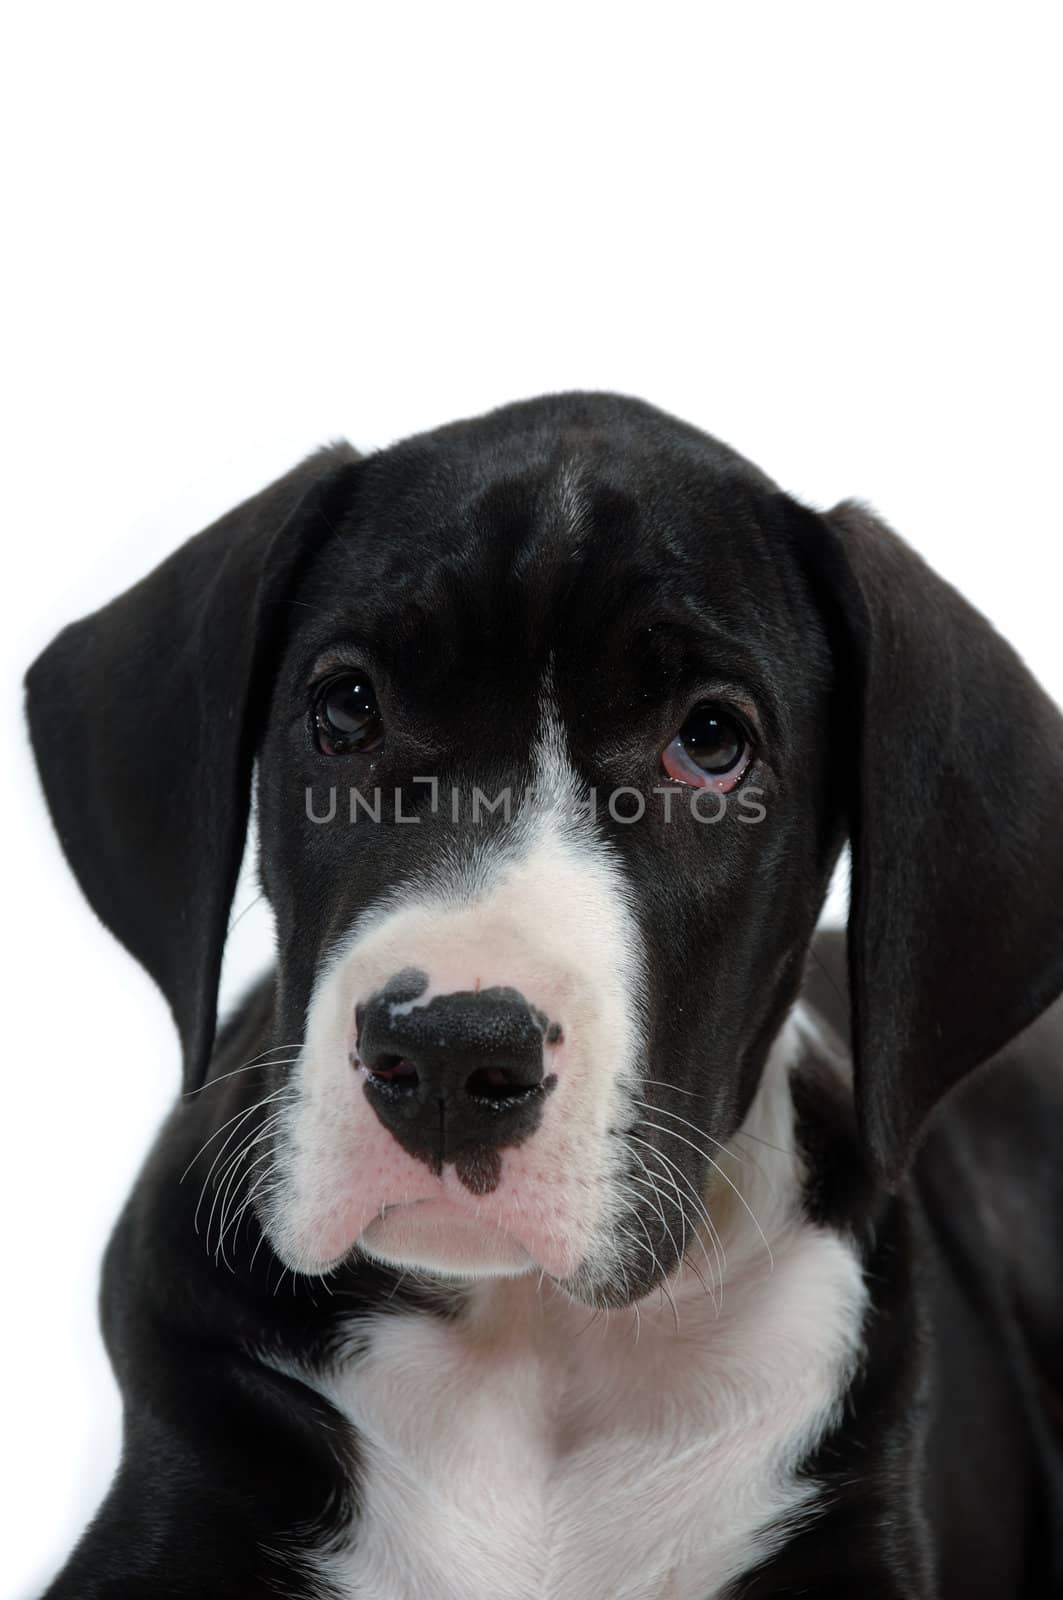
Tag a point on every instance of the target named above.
point(456, 1079)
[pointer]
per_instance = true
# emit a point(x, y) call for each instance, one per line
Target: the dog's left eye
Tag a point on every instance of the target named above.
point(346, 715)
point(712, 750)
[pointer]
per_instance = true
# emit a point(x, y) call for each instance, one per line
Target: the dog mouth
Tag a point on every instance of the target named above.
point(441, 1234)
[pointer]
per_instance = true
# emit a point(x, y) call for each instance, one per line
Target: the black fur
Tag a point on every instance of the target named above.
point(639, 564)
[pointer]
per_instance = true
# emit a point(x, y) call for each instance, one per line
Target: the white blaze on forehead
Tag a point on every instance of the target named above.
point(573, 503)
point(542, 908)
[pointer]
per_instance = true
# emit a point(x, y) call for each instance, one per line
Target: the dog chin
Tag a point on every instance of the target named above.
point(442, 1238)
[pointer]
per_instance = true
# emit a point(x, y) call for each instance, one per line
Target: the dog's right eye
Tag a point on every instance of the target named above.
point(346, 716)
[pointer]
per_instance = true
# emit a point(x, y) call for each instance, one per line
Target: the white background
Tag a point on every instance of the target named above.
point(825, 232)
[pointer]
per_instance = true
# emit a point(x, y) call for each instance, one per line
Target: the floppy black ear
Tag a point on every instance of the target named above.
point(144, 719)
point(956, 828)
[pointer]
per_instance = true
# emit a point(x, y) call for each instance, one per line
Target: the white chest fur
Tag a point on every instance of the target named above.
point(528, 1452)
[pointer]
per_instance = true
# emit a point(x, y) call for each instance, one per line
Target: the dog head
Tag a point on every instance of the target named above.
point(560, 718)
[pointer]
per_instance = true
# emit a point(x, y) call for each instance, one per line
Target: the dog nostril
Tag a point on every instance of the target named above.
point(496, 1086)
point(395, 1071)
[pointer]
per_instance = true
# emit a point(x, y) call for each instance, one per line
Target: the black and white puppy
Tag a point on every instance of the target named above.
point(536, 1242)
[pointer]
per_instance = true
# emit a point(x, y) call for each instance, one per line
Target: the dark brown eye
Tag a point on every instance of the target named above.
point(711, 750)
point(346, 715)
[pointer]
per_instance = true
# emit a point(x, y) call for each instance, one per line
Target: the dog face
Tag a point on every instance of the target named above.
point(582, 673)
point(559, 717)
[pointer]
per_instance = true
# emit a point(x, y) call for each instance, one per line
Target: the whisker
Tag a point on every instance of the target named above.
point(240, 1119)
point(657, 1268)
point(730, 1184)
point(660, 1084)
point(251, 904)
point(661, 1112)
point(262, 1236)
point(742, 1160)
point(780, 1149)
point(679, 1255)
point(256, 1061)
point(237, 1116)
point(252, 1195)
point(248, 1143)
point(232, 1185)
point(233, 1164)
point(702, 1209)
point(683, 1259)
